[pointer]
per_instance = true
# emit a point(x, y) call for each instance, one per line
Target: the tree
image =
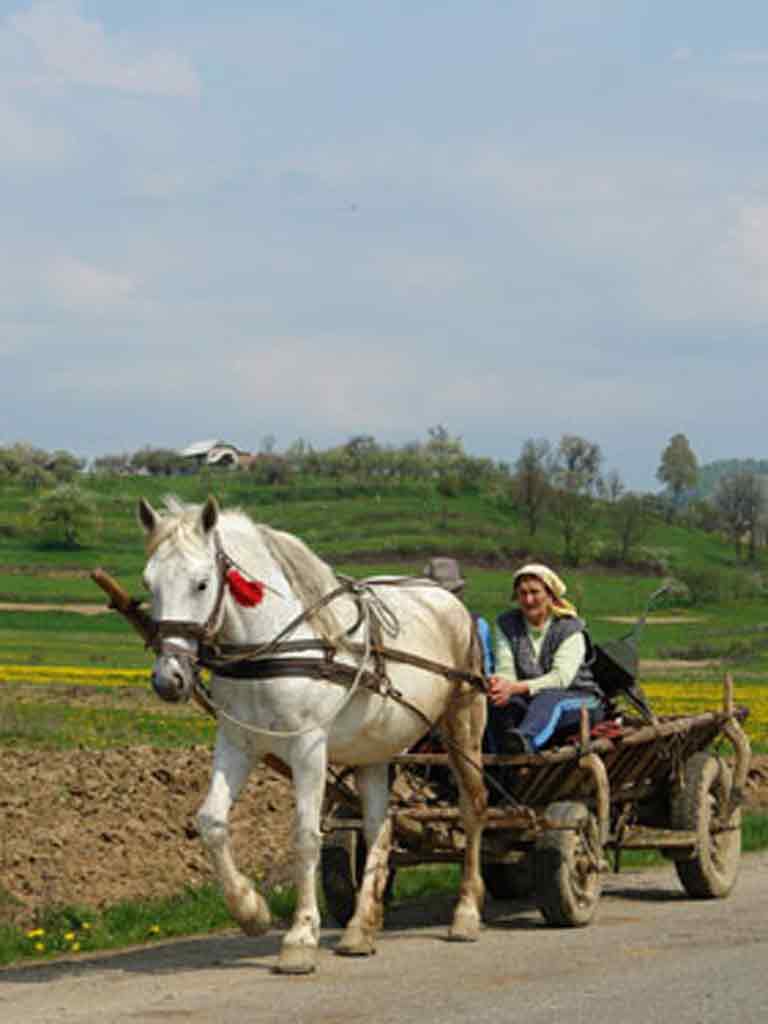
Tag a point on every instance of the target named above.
point(578, 463)
point(533, 480)
point(10, 464)
point(113, 465)
point(629, 518)
point(442, 450)
point(740, 500)
point(160, 461)
point(360, 454)
point(575, 473)
point(64, 466)
point(678, 469)
point(64, 516)
point(611, 487)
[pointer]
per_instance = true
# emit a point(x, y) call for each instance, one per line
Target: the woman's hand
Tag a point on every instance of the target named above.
point(501, 690)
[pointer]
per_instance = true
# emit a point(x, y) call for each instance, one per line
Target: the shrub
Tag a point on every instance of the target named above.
point(64, 517)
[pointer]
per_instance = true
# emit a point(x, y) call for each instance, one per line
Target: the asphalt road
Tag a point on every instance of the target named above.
point(652, 954)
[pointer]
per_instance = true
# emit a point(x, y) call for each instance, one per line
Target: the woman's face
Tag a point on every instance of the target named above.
point(535, 600)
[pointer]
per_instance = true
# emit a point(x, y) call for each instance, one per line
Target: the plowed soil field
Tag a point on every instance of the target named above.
point(95, 827)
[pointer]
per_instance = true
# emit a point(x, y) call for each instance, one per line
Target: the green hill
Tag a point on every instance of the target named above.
point(344, 523)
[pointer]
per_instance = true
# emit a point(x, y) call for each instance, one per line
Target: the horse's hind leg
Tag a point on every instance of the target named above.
point(230, 770)
point(359, 938)
point(463, 728)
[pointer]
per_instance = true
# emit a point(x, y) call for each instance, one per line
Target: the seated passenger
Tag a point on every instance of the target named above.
point(447, 573)
point(543, 676)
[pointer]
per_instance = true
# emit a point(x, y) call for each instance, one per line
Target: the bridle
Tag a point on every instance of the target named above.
point(187, 628)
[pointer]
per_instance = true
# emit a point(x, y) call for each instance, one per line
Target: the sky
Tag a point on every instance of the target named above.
point(317, 220)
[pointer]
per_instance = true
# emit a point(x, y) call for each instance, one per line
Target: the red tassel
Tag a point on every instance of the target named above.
point(246, 592)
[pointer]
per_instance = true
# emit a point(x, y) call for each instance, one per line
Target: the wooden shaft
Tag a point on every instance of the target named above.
point(584, 728)
point(728, 695)
point(122, 602)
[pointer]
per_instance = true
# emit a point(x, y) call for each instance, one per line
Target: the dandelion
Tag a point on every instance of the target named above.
point(86, 926)
point(69, 936)
point(36, 933)
point(75, 947)
point(39, 947)
point(154, 929)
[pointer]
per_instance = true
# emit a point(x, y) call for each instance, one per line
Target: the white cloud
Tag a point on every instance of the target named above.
point(79, 51)
point(28, 142)
point(746, 58)
point(81, 287)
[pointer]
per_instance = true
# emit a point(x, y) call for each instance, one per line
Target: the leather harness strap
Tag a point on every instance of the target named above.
point(326, 667)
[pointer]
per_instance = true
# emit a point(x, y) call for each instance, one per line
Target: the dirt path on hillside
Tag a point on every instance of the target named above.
point(29, 606)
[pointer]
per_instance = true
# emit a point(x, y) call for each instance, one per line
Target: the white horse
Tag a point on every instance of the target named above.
point(204, 568)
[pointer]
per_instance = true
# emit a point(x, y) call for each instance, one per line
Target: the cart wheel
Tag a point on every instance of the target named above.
point(699, 806)
point(568, 882)
point(510, 881)
point(342, 862)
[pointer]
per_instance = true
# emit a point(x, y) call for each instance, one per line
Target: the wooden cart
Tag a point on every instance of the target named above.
point(662, 784)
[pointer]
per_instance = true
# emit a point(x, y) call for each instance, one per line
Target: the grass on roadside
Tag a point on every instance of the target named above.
point(74, 930)
point(80, 929)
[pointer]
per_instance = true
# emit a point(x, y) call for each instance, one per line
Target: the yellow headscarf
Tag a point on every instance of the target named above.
point(550, 579)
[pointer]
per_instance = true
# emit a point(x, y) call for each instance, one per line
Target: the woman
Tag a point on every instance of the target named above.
point(543, 678)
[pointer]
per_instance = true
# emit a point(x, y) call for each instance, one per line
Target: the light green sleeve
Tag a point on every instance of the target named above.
point(565, 665)
point(505, 659)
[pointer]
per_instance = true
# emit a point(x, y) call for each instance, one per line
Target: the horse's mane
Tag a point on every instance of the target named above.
point(309, 577)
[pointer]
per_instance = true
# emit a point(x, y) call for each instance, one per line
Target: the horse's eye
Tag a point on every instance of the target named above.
point(202, 584)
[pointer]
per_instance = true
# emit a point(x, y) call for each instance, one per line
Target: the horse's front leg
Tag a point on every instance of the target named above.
point(359, 938)
point(231, 768)
point(309, 761)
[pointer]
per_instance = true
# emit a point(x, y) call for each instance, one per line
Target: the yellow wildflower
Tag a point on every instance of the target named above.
point(39, 947)
point(36, 933)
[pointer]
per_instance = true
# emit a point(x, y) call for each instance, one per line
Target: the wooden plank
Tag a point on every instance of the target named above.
point(640, 837)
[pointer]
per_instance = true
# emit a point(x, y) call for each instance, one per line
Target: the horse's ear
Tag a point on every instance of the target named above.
point(210, 514)
point(147, 516)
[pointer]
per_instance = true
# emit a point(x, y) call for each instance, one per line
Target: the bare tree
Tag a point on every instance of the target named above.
point(611, 487)
point(741, 502)
point(630, 518)
point(575, 473)
point(532, 469)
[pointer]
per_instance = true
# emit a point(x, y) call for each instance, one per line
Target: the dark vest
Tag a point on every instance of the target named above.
point(512, 625)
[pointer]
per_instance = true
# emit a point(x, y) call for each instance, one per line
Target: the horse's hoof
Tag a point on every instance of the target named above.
point(254, 926)
point(465, 929)
point(357, 946)
point(251, 912)
point(465, 926)
point(296, 960)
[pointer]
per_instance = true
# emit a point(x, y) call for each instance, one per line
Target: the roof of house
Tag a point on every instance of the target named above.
point(199, 448)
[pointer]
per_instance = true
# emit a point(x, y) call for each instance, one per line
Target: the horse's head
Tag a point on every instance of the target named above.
point(185, 577)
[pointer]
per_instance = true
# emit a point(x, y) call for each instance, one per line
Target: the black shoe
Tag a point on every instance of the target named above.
point(515, 742)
